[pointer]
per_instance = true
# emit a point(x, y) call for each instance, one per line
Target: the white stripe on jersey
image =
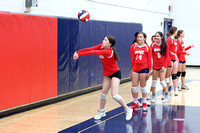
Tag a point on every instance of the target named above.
point(111, 55)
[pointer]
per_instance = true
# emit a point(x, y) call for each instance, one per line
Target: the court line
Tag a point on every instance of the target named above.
point(101, 122)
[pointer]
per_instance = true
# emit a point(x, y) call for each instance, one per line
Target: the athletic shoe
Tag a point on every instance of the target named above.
point(129, 114)
point(184, 87)
point(144, 107)
point(179, 88)
point(153, 99)
point(135, 106)
point(176, 92)
point(166, 99)
point(149, 96)
point(100, 115)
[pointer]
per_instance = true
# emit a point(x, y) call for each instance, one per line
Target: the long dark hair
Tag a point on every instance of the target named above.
point(112, 41)
point(179, 33)
point(172, 30)
point(144, 34)
point(163, 46)
point(136, 34)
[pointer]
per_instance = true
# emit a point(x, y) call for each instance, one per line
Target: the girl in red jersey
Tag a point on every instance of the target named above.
point(173, 61)
point(181, 56)
point(141, 69)
point(160, 54)
point(111, 73)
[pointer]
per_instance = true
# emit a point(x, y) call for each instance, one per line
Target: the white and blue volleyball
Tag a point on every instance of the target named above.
point(84, 16)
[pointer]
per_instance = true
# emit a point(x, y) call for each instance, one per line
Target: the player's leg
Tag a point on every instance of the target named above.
point(105, 88)
point(164, 85)
point(153, 85)
point(174, 77)
point(167, 76)
point(114, 92)
point(134, 90)
point(183, 74)
point(143, 82)
point(179, 73)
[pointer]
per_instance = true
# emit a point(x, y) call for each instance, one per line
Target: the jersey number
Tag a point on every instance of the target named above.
point(158, 55)
point(139, 57)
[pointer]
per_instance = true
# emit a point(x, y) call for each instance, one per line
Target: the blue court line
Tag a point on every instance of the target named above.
point(91, 123)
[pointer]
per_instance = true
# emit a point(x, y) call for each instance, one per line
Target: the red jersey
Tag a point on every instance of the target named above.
point(159, 60)
point(181, 50)
point(140, 57)
point(107, 57)
point(172, 45)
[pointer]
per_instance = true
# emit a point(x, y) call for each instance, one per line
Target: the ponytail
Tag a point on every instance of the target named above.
point(116, 54)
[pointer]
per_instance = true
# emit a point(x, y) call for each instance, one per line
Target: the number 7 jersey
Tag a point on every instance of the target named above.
point(140, 57)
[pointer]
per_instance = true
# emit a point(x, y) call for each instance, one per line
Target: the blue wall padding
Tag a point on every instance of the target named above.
point(87, 71)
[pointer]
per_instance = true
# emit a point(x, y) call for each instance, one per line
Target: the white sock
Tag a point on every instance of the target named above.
point(135, 100)
point(126, 109)
point(144, 100)
point(101, 110)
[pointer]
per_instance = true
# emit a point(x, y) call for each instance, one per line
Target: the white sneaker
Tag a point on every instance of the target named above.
point(176, 92)
point(179, 88)
point(100, 115)
point(166, 99)
point(153, 99)
point(129, 114)
point(149, 96)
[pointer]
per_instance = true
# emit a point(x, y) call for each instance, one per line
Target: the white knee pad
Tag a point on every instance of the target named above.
point(134, 89)
point(163, 83)
point(154, 83)
point(103, 96)
point(167, 80)
point(144, 89)
point(117, 97)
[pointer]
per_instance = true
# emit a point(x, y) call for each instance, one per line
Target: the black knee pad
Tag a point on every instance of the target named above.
point(183, 74)
point(178, 74)
point(174, 76)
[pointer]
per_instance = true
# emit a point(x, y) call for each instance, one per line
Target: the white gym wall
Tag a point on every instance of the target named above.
point(150, 13)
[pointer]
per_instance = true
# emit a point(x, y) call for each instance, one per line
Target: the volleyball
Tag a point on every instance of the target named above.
point(84, 16)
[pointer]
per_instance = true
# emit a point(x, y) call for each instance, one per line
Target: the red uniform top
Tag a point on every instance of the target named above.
point(140, 57)
point(181, 50)
point(172, 45)
point(159, 60)
point(107, 57)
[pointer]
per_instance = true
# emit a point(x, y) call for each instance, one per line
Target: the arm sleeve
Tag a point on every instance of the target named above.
point(132, 55)
point(150, 58)
point(166, 57)
point(189, 47)
point(169, 44)
point(106, 52)
point(97, 47)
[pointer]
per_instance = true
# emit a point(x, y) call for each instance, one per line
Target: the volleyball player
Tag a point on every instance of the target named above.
point(173, 62)
point(160, 54)
point(181, 56)
point(111, 73)
point(141, 69)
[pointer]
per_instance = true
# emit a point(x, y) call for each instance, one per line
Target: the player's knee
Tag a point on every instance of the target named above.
point(154, 83)
point(134, 89)
point(103, 96)
point(167, 80)
point(183, 74)
point(178, 74)
point(117, 97)
point(144, 89)
point(174, 76)
point(163, 83)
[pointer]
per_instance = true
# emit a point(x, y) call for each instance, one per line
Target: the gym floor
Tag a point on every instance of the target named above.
point(74, 115)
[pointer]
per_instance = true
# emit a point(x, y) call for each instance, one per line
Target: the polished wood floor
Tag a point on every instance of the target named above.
point(56, 117)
